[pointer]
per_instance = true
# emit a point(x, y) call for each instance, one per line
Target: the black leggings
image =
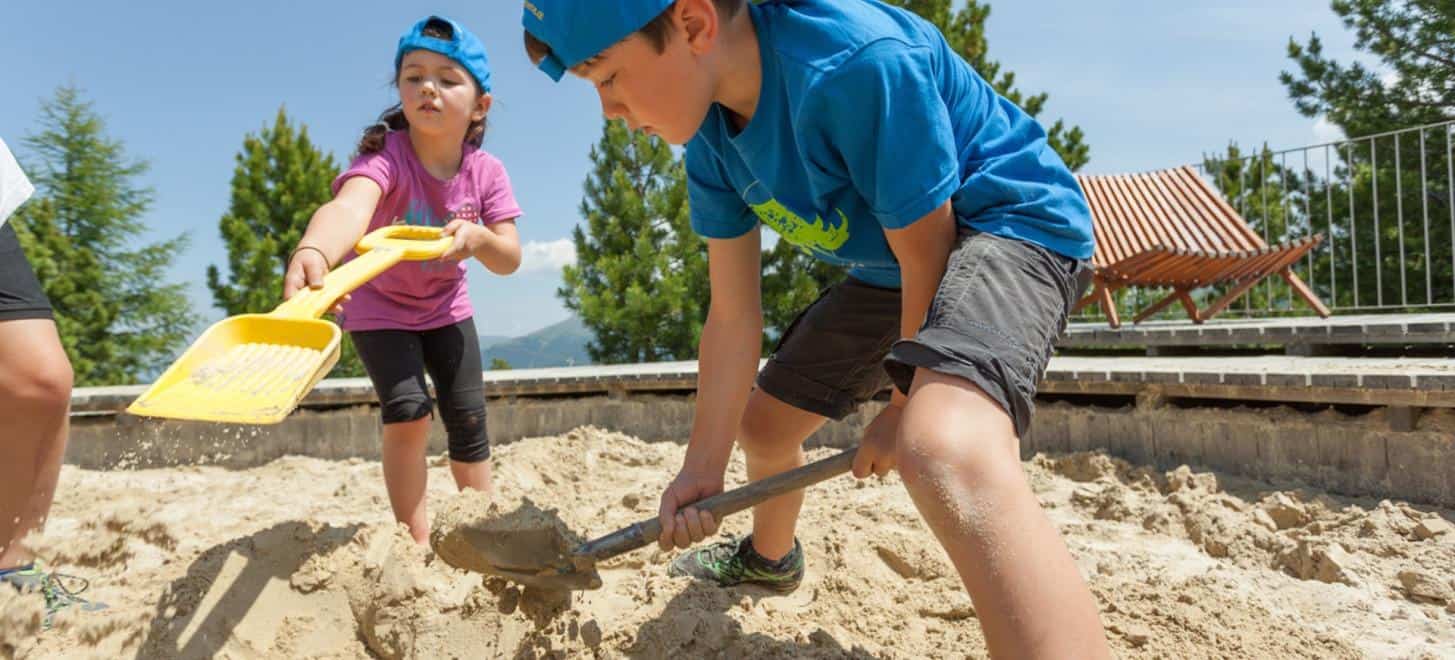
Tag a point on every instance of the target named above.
point(396, 361)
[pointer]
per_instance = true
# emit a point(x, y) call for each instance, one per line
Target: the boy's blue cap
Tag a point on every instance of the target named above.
point(578, 30)
point(465, 49)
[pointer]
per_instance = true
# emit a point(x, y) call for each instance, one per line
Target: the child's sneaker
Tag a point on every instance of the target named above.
point(734, 561)
point(53, 586)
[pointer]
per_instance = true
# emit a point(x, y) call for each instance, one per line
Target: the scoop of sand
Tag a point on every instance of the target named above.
point(474, 533)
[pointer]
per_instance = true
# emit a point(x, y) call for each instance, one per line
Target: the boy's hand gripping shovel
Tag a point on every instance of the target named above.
point(541, 558)
point(255, 368)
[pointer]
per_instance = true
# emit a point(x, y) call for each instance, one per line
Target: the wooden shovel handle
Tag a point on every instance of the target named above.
point(720, 506)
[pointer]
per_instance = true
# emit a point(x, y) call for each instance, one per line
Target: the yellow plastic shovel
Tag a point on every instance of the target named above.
point(255, 368)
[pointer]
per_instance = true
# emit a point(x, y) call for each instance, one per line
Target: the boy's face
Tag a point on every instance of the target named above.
point(665, 94)
point(438, 95)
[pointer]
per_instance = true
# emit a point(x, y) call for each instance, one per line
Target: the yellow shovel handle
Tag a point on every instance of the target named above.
point(378, 250)
point(417, 243)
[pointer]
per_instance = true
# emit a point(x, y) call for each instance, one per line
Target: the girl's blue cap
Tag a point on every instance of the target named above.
point(465, 48)
point(578, 30)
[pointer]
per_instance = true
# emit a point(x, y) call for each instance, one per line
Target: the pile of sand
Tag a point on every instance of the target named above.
point(298, 559)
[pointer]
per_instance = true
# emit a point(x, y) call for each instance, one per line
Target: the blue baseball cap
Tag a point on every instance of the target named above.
point(578, 30)
point(465, 49)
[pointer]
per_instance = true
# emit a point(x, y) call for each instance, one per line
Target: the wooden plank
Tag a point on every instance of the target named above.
point(1189, 195)
point(1325, 395)
point(1110, 246)
point(1183, 235)
point(1305, 292)
point(1202, 236)
point(1144, 217)
point(1218, 208)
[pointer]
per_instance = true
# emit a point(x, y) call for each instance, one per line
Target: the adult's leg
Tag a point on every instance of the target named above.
point(35, 395)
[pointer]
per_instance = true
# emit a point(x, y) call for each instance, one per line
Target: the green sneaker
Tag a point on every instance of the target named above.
point(734, 562)
point(55, 587)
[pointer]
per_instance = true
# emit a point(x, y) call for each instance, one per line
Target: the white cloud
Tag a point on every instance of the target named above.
point(547, 256)
point(1325, 131)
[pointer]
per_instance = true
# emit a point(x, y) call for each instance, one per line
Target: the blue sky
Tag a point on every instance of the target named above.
point(1152, 84)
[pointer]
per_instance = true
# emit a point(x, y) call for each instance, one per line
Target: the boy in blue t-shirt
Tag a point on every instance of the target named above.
point(854, 130)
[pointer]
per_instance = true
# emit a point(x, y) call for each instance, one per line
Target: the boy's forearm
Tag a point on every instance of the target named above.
point(918, 292)
point(923, 250)
point(727, 364)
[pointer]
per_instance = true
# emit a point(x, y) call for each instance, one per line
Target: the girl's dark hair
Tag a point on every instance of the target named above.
point(657, 32)
point(393, 119)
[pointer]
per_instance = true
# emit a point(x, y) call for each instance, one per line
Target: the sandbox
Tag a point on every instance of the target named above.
point(298, 559)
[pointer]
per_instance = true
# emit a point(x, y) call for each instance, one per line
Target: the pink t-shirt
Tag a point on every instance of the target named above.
point(423, 295)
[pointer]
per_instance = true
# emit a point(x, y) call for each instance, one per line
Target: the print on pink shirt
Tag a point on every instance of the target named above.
point(423, 295)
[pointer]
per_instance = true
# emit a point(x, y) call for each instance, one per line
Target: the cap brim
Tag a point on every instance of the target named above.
point(553, 67)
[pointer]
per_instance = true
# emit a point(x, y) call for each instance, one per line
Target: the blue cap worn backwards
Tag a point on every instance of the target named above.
point(465, 48)
point(578, 30)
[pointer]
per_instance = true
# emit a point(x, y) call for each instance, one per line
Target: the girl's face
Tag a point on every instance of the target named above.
point(438, 96)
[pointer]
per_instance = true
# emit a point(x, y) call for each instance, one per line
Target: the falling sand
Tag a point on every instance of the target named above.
point(298, 559)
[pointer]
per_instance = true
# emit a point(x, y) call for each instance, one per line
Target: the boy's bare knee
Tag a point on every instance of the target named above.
point(935, 452)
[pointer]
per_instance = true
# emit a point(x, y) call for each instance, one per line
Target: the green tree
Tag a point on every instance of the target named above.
point(119, 320)
point(280, 179)
point(964, 28)
point(1380, 260)
point(498, 364)
point(1410, 39)
point(640, 279)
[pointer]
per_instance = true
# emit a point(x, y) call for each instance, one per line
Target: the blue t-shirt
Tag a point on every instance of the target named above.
point(867, 120)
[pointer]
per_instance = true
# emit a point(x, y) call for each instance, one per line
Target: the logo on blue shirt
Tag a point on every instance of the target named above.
point(819, 236)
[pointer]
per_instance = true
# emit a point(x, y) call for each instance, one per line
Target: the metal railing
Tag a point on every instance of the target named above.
point(1384, 203)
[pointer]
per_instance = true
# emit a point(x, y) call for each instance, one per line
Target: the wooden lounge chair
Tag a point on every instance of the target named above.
point(1171, 229)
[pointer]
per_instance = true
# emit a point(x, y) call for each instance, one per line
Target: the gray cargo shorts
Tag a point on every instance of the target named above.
point(994, 322)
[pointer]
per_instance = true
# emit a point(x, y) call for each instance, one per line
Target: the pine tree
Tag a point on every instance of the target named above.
point(119, 320)
point(640, 280)
point(280, 179)
point(1412, 85)
point(964, 28)
point(1412, 41)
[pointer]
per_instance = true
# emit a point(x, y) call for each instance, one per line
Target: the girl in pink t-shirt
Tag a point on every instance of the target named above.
point(422, 165)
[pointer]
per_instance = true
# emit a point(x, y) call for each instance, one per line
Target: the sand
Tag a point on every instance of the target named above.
point(298, 559)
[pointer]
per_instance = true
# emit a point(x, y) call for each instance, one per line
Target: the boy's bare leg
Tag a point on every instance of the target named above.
point(35, 396)
point(960, 460)
point(405, 475)
point(772, 435)
point(471, 475)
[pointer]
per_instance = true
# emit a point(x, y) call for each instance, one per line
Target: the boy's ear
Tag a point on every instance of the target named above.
point(482, 107)
point(697, 21)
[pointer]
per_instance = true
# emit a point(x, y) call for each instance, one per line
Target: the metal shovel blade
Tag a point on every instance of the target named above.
point(538, 556)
